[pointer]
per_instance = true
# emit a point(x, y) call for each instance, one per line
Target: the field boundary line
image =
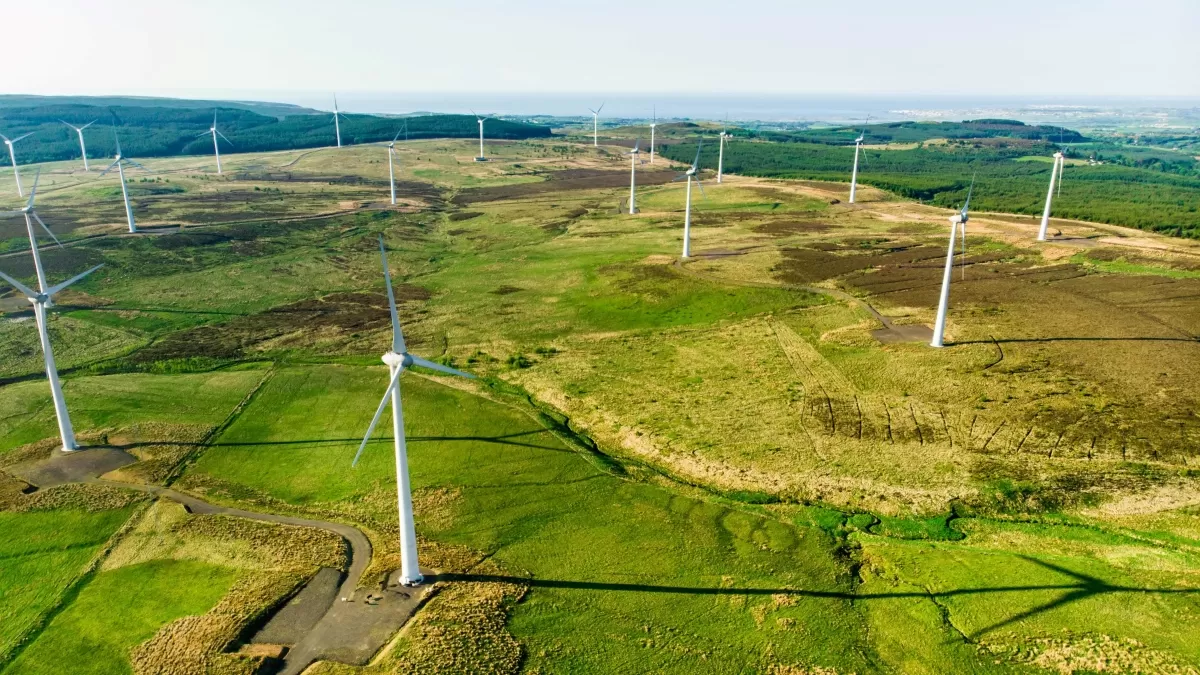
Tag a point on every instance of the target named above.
point(190, 457)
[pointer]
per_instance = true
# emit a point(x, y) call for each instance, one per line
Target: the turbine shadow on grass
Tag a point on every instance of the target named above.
point(1085, 587)
point(1078, 339)
point(505, 439)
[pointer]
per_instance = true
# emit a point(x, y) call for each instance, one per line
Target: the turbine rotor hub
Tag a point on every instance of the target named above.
point(397, 360)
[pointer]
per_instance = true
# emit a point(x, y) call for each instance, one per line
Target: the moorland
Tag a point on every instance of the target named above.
point(738, 462)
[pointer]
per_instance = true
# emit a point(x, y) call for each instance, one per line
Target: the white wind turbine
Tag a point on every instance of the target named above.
point(398, 359)
point(653, 123)
point(216, 149)
point(957, 220)
point(687, 212)
point(119, 163)
point(82, 147)
point(392, 160)
point(480, 120)
point(40, 299)
point(721, 154)
point(1055, 177)
point(596, 125)
point(857, 146)
point(13, 157)
point(337, 127)
point(633, 159)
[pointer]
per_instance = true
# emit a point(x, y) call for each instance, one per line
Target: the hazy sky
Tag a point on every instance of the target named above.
point(250, 47)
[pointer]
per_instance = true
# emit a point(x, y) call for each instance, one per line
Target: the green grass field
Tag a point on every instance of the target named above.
point(41, 554)
point(119, 609)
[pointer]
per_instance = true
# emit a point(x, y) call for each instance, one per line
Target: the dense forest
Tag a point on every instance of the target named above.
point(916, 132)
point(1010, 180)
point(160, 131)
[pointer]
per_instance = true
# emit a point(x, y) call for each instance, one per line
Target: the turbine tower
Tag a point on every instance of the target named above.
point(687, 212)
point(633, 158)
point(1055, 177)
point(119, 164)
point(216, 149)
point(721, 154)
point(398, 359)
point(13, 157)
point(653, 123)
point(480, 120)
point(392, 160)
point(857, 145)
point(957, 220)
point(337, 127)
point(596, 125)
point(40, 299)
point(82, 147)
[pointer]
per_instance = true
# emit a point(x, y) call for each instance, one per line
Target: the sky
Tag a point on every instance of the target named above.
point(256, 48)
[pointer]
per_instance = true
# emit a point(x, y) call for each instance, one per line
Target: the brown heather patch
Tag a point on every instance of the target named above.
point(461, 630)
point(1074, 653)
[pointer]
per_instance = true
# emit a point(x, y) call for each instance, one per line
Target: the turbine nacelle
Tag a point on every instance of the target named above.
point(398, 360)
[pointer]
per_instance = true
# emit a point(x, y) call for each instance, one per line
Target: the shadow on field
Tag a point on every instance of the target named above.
point(506, 439)
point(1080, 339)
point(1084, 587)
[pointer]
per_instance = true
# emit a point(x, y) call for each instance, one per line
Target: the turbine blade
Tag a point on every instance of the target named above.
point(20, 137)
point(88, 125)
point(424, 363)
point(696, 161)
point(699, 185)
point(47, 229)
point(397, 334)
point(224, 139)
point(967, 204)
point(70, 125)
point(118, 140)
point(29, 292)
point(10, 214)
point(600, 108)
point(68, 282)
point(397, 136)
point(204, 133)
point(33, 192)
point(378, 413)
point(139, 166)
point(110, 167)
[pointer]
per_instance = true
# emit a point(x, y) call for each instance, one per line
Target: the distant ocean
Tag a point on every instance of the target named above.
point(767, 108)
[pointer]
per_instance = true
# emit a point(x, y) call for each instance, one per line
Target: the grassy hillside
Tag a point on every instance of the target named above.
point(262, 107)
point(156, 131)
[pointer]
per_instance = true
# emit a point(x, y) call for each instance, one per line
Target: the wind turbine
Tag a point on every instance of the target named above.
point(857, 145)
point(337, 128)
point(40, 299)
point(82, 147)
point(687, 213)
point(397, 359)
point(957, 220)
point(392, 160)
point(721, 154)
point(633, 158)
point(12, 156)
point(481, 157)
point(119, 163)
point(216, 149)
point(596, 125)
point(1055, 176)
point(653, 123)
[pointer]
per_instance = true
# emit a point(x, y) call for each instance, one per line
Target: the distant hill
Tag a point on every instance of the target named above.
point(260, 107)
point(915, 132)
point(158, 131)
